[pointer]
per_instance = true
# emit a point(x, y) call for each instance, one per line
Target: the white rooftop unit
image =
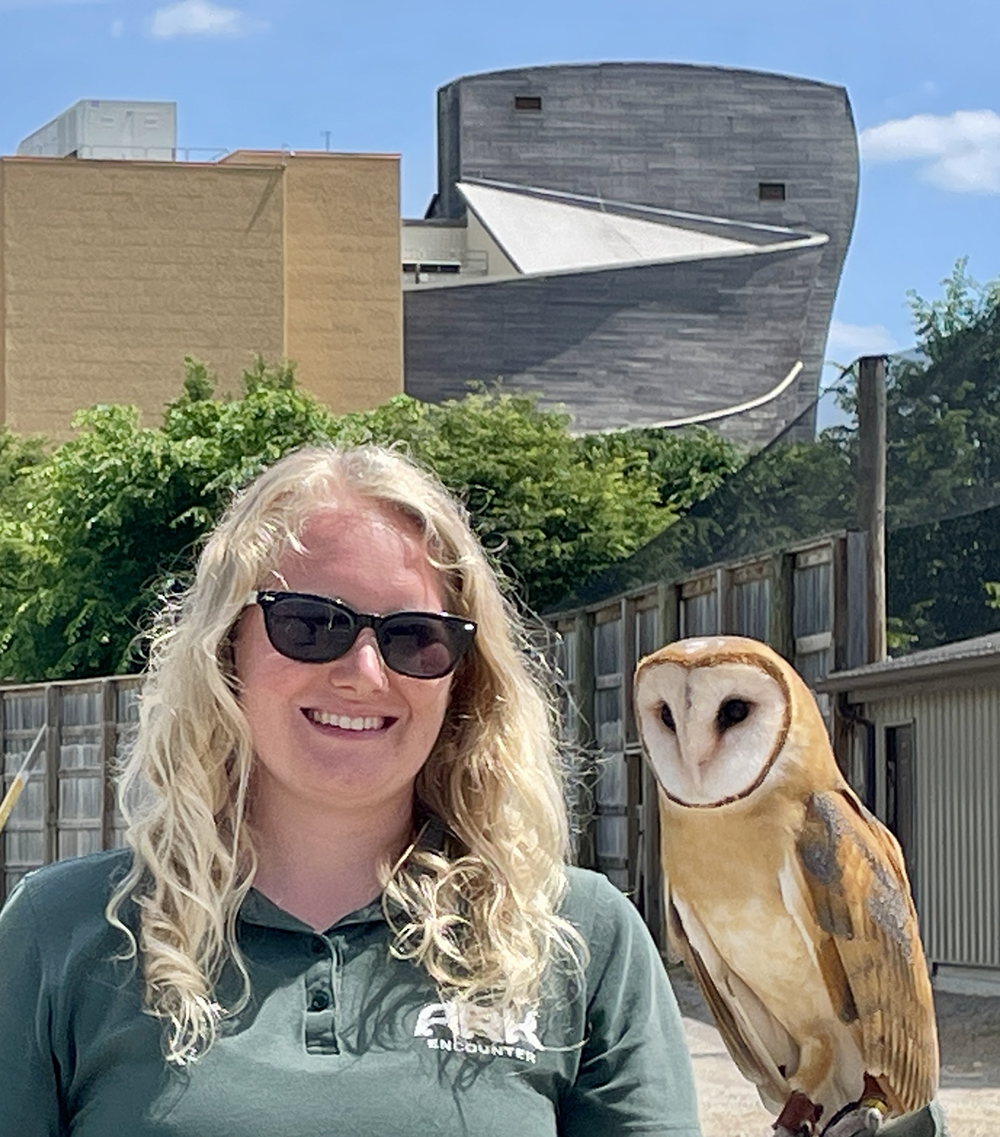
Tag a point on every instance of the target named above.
point(108, 128)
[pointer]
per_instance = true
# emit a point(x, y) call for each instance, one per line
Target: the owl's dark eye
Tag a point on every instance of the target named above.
point(732, 712)
point(667, 717)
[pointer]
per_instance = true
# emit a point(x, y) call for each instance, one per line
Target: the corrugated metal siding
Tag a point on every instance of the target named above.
point(957, 799)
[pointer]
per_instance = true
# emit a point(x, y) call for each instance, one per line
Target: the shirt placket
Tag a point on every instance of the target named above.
point(321, 984)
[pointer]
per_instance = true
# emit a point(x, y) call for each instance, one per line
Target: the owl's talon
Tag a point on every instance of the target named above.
point(798, 1118)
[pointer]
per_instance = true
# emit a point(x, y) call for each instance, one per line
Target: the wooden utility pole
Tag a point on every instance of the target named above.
point(871, 494)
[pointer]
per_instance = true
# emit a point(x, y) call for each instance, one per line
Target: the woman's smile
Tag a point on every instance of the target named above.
point(367, 724)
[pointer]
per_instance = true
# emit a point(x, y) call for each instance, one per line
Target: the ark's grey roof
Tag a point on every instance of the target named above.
point(665, 68)
point(959, 657)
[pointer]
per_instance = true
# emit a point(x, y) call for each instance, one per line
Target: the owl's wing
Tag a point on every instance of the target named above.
point(854, 870)
point(757, 1043)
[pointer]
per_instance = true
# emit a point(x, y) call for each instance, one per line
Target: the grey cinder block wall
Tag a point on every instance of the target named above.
point(636, 344)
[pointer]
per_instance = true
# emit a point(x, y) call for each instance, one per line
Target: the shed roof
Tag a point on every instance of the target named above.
point(982, 653)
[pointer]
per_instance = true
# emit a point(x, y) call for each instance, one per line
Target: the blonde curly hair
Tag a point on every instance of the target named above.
point(480, 912)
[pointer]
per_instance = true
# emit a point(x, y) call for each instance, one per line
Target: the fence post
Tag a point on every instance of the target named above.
point(53, 742)
point(871, 494)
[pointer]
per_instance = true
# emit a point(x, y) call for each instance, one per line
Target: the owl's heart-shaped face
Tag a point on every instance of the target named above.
point(710, 732)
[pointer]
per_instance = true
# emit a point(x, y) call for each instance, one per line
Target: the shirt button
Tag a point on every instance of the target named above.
point(320, 1001)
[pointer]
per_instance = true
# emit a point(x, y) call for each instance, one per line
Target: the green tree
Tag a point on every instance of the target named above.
point(943, 473)
point(943, 476)
point(550, 508)
point(18, 458)
point(111, 518)
point(105, 523)
point(688, 464)
point(964, 306)
point(943, 481)
point(939, 580)
point(944, 406)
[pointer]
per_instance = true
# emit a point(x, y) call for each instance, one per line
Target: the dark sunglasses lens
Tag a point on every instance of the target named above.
point(423, 647)
point(309, 631)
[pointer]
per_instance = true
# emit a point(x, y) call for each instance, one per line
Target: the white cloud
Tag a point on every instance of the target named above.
point(117, 28)
point(961, 151)
point(198, 18)
point(852, 340)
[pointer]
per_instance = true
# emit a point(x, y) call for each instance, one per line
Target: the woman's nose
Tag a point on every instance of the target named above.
point(362, 667)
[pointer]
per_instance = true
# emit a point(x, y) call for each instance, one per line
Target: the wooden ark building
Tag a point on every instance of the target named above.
point(635, 242)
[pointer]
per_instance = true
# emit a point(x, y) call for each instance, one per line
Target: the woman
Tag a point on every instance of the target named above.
point(345, 908)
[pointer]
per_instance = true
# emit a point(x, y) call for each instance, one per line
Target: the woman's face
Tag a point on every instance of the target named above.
point(349, 735)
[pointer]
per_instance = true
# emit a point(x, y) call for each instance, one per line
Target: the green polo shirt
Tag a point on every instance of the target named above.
point(339, 1038)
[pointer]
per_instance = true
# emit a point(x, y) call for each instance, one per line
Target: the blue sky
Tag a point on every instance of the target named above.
point(923, 77)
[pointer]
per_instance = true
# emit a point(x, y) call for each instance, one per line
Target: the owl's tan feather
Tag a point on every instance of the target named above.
point(855, 874)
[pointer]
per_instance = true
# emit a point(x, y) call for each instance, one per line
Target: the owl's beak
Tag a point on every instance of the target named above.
point(697, 753)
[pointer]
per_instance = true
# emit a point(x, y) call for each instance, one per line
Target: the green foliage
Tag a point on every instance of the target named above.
point(944, 406)
point(550, 508)
point(18, 455)
point(966, 303)
point(227, 441)
point(101, 526)
point(783, 494)
point(937, 574)
point(688, 465)
point(943, 470)
point(899, 637)
point(18, 459)
point(791, 491)
point(943, 475)
point(112, 517)
point(93, 531)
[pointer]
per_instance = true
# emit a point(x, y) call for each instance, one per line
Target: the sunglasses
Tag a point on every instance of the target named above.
point(316, 629)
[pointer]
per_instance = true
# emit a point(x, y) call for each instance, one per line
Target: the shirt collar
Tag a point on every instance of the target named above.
point(260, 910)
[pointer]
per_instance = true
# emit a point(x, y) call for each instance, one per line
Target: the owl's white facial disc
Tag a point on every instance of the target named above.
point(710, 732)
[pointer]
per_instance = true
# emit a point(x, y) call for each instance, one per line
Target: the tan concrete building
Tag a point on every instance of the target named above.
point(112, 271)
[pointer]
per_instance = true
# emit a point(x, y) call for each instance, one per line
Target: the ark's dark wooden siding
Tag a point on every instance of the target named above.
point(700, 139)
point(636, 345)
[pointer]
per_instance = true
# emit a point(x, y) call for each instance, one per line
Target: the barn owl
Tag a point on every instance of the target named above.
point(787, 899)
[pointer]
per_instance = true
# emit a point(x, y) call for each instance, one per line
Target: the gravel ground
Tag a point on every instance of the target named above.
point(969, 1031)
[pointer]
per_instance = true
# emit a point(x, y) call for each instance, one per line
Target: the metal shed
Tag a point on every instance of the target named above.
point(923, 747)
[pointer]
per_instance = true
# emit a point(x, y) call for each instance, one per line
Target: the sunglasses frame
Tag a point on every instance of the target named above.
point(463, 631)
